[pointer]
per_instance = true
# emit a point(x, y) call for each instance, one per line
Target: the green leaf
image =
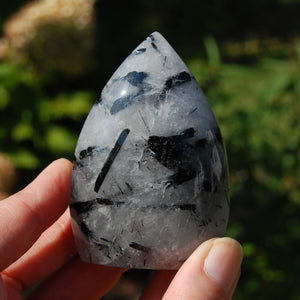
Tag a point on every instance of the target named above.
point(23, 131)
point(24, 159)
point(75, 106)
point(212, 51)
point(60, 140)
point(4, 97)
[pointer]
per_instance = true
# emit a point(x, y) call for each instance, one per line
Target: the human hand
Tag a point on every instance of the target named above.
point(37, 243)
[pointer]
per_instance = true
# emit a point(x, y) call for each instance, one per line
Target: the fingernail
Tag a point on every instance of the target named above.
point(223, 263)
point(2, 290)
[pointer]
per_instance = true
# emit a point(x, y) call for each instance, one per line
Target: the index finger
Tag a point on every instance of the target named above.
point(25, 215)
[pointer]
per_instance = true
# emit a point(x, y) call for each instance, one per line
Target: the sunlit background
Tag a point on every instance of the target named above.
point(56, 56)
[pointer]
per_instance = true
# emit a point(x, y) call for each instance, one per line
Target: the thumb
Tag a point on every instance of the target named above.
point(210, 273)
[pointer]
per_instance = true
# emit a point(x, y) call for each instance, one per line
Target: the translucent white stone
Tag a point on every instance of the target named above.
point(149, 180)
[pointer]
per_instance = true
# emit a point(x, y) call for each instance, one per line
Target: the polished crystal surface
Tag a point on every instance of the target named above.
point(149, 179)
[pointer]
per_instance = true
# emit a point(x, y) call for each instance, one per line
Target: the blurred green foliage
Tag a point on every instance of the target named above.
point(248, 64)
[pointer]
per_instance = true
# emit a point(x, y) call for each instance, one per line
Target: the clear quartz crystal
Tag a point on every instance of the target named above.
point(149, 179)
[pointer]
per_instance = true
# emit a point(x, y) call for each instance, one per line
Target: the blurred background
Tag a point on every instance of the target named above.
point(57, 55)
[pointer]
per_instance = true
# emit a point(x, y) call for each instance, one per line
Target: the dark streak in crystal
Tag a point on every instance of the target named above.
point(136, 78)
point(108, 202)
point(215, 180)
point(111, 157)
point(193, 110)
point(101, 246)
point(104, 248)
point(76, 163)
point(152, 37)
point(188, 133)
point(168, 84)
point(201, 143)
point(89, 234)
point(98, 101)
point(103, 201)
point(183, 207)
point(154, 45)
point(139, 247)
point(114, 245)
point(165, 60)
point(82, 207)
point(120, 189)
point(170, 150)
point(89, 151)
point(205, 222)
point(105, 240)
point(207, 186)
point(85, 229)
point(144, 121)
point(177, 79)
point(176, 153)
point(129, 186)
point(191, 207)
point(86, 206)
point(122, 103)
point(140, 51)
point(219, 136)
point(181, 176)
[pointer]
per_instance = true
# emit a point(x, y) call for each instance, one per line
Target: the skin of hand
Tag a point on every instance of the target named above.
point(37, 244)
